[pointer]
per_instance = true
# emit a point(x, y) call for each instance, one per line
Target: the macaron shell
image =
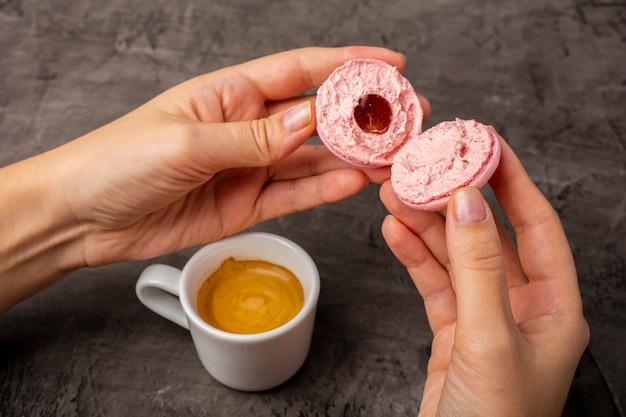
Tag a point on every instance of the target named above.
point(338, 97)
point(450, 155)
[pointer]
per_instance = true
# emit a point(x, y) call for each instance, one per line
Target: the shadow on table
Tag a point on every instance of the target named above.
point(590, 396)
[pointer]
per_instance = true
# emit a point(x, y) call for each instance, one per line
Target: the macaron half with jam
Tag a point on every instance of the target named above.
point(366, 110)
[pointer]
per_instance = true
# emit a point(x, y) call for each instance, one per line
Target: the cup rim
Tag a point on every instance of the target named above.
point(310, 302)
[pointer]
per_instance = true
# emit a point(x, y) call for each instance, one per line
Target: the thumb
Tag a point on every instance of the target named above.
point(477, 264)
point(259, 142)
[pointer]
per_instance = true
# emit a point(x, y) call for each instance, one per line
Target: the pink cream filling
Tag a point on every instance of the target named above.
point(450, 155)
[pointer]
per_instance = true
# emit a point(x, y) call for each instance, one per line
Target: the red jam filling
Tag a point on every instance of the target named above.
point(373, 114)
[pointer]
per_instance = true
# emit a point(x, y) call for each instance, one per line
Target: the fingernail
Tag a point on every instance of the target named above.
point(297, 117)
point(469, 207)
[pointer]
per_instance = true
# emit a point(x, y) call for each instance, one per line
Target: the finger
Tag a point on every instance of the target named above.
point(477, 265)
point(287, 74)
point(542, 245)
point(430, 278)
point(274, 107)
point(311, 160)
point(306, 161)
point(256, 143)
point(429, 226)
point(515, 275)
point(279, 198)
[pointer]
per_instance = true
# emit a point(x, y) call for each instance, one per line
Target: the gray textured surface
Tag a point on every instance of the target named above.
point(551, 76)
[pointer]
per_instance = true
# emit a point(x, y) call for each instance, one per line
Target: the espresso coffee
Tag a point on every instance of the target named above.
point(249, 296)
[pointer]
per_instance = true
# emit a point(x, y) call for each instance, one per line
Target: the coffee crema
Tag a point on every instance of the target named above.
point(249, 296)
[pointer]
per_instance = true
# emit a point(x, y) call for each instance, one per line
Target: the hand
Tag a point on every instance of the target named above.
point(507, 321)
point(210, 157)
point(206, 159)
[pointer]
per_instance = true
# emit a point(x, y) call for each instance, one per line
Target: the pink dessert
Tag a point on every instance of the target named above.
point(366, 111)
point(369, 115)
point(450, 155)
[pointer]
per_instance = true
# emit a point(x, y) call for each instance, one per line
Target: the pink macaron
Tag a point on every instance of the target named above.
point(369, 115)
point(366, 110)
point(450, 155)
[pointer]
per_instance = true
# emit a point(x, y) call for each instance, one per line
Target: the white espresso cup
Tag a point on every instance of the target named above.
point(246, 362)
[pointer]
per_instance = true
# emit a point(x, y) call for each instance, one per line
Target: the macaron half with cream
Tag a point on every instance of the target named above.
point(369, 115)
point(426, 171)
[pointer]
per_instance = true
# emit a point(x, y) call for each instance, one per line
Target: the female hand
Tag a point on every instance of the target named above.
point(507, 320)
point(211, 157)
point(205, 159)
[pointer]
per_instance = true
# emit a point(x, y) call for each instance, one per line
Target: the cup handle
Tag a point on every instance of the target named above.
point(158, 289)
